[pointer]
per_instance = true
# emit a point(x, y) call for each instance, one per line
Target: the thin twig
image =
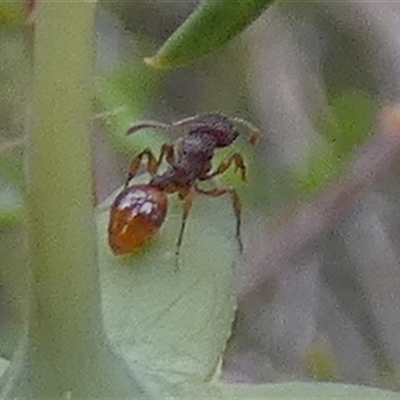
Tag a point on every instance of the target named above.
point(108, 114)
point(371, 164)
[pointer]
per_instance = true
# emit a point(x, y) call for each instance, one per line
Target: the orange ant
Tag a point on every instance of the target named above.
point(139, 210)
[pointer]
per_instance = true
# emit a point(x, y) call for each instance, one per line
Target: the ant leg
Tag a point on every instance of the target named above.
point(255, 133)
point(187, 203)
point(152, 163)
point(151, 167)
point(168, 152)
point(236, 204)
point(236, 159)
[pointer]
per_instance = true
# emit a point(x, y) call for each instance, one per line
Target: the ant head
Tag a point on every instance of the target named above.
point(218, 126)
point(221, 127)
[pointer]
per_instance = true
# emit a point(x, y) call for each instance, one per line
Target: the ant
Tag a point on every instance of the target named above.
point(138, 212)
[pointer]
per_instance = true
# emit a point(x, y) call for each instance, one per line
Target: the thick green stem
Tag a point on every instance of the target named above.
point(65, 290)
point(66, 353)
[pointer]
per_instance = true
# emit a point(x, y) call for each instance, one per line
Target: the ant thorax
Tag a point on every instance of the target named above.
point(198, 141)
point(195, 152)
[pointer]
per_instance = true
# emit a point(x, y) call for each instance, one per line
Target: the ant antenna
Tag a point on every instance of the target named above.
point(255, 133)
point(161, 125)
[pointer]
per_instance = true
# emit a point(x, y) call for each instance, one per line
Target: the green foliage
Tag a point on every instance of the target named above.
point(174, 321)
point(11, 13)
point(125, 93)
point(14, 72)
point(211, 26)
point(320, 361)
point(298, 390)
point(349, 123)
point(10, 203)
point(342, 130)
point(102, 326)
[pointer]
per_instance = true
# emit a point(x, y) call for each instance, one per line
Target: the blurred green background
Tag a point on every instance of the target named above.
point(311, 76)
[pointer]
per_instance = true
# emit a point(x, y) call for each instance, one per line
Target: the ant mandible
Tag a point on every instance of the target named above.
point(139, 210)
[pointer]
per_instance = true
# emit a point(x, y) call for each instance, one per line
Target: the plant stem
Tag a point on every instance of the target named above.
point(62, 236)
point(66, 353)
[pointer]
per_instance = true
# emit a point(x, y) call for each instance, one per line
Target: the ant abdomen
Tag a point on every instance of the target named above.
point(136, 215)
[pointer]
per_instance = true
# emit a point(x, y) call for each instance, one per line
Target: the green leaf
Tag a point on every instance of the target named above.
point(319, 361)
point(300, 390)
point(10, 203)
point(12, 13)
point(127, 91)
point(349, 121)
point(343, 128)
point(14, 284)
point(213, 24)
point(321, 167)
point(3, 365)
point(174, 322)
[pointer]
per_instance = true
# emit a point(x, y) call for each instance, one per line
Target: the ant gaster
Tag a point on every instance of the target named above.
point(139, 210)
